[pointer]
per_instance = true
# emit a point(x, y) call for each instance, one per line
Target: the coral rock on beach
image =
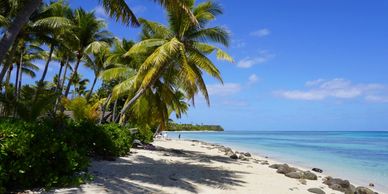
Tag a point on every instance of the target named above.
point(234, 156)
point(316, 190)
point(363, 190)
point(340, 185)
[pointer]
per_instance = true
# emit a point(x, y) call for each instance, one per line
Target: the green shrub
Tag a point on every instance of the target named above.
point(33, 155)
point(37, 154)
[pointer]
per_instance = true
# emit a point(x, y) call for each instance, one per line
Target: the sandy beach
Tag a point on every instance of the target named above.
point(183, 166)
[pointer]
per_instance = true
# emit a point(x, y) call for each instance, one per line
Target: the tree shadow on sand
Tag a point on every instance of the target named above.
point(196, 156)
point(118, 176)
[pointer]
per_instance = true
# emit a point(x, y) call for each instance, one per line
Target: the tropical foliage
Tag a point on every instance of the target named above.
point(133, 83)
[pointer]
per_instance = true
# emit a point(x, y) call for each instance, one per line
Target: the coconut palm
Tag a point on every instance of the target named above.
point(117, 9)
point(89, 36)
point(52, 27)
point(96, 60)
point(179, 52)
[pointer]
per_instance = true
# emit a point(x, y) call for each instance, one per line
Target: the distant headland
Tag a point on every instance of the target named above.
point(193, 127)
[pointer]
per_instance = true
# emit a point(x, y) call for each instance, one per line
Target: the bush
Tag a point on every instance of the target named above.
point(32, 154)
point(36, 154)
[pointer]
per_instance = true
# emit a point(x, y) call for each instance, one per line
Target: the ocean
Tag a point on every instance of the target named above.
point(360, 156)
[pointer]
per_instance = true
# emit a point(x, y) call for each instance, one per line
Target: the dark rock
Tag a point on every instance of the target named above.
point(295, 175)
point(247, 154)
point(316, 190)
point(265, 162)
point(309, 175)
point(229, 153)
point(363, 190)
point(339, 185)
point(317, 170)
point(371, 184)
point(275, 166)
point(284, 169)
point(241, 156)
point(234, 156)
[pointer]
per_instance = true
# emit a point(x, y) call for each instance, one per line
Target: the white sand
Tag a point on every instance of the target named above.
point(202, 168)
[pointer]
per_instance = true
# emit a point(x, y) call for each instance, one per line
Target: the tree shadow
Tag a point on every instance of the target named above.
point(117, 176)
point(197, 156)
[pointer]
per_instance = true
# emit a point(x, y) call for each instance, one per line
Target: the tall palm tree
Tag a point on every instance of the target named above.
point(179, 51)
point(117, 9)
point(89, 36)
point(52, 27)
point(96, 60)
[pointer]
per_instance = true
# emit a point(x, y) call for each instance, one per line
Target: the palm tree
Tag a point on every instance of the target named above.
point(52, 27)
point(118, 9)
point(179, 52)
point(79, 85)
point(89, 36)
point(96, 61)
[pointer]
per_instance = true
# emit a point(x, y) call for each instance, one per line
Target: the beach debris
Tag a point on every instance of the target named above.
point(339, 185)
point(363, 190)
point(371, 184)
point(317, 170)
point(316, 190)
point(234, 156)
point(303, 181)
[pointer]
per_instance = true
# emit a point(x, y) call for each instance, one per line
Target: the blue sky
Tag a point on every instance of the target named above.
point(300, 65)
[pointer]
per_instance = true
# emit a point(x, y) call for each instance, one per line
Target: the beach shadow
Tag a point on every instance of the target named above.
point(116, 176)
point(196, 156)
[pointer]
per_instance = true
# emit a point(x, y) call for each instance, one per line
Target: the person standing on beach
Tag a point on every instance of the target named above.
point(179, 136)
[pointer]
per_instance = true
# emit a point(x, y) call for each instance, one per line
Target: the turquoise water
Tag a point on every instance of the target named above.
point(361, 157)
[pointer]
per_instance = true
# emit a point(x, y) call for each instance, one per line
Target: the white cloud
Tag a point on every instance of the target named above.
point(238, 43)
point(253, 79)
point(223, 90)
point(336, 88)
point(377, 98)
point(100, 12)
point(261, 33)
point(262, 57)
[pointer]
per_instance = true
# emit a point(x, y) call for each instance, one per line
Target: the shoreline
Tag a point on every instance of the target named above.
point(277, 160)
point(192, 166)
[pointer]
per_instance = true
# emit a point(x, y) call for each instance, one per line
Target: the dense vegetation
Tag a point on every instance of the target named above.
point(193, 127)
point(50, 129)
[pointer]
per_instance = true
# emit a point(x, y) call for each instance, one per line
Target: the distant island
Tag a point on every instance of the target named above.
point(193, 127)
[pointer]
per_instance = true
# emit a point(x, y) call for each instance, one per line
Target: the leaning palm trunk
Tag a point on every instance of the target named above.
point(129, 104)
point(91, 89)
point(103, 109)
point(47, 64)
point(16, 25)
point(72, 76)
point(18, 76)
point(7, 64)
point(64, 75)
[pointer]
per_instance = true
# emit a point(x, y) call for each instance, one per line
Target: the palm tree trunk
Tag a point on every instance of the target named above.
point(64, 75)
point(103, 109)
point(91, 89)
point(47, 64)
point(59, 75)
point(114, 110)
point(8, 77)
point(6, 65)
point(130, 103)
point(17, 79)
point(16, 25)
point(19, 73)
point(73, 75)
